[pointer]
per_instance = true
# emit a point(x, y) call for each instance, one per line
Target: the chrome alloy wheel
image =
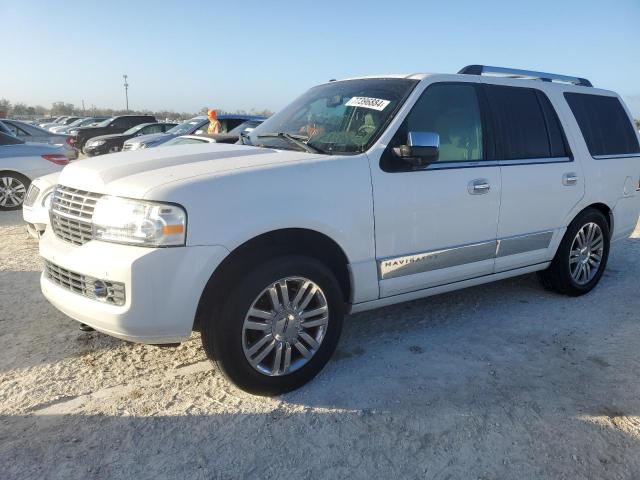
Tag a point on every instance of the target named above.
point(586, 253)
point(12, 192)
point(285, 326)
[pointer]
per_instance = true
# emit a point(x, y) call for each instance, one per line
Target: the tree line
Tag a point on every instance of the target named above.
point(20, 109)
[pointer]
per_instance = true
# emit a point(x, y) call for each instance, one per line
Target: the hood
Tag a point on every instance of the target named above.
point(86, 129)
point(46, 181)
point(150, 137)
point(107, 137)
point(134, 174)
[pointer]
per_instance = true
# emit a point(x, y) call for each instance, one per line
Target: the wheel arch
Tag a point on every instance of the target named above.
point(276, 242)
point(605, 210)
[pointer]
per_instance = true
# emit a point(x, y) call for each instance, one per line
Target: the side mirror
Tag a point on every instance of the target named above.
point(422, 148)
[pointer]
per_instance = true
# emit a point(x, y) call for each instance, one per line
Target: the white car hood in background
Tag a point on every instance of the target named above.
point(133, 174)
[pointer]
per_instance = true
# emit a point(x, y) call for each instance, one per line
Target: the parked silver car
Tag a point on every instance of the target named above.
point(83, 122)
point(20, 163)
point(31, 133)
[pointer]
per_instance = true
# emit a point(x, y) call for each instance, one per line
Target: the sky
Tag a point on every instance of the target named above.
point(183, 56)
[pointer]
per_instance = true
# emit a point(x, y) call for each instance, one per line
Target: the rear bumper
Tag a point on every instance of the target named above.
point(162, 286)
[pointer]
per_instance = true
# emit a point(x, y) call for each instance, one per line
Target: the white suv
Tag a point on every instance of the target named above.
point(361, 193)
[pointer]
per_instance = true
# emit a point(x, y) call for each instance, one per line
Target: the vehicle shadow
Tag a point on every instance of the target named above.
point(11, 218)
point(507, 341)
point(33, 332)
point(495, 381)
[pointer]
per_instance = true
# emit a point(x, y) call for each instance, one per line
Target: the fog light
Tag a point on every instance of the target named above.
point(100, 289)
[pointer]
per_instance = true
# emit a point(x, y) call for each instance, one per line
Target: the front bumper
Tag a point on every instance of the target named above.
point(162, 286)
point(92, 151)
point(36, 217)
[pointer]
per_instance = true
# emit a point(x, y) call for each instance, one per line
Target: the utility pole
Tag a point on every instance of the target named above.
point(126, 91)
point(83, 110)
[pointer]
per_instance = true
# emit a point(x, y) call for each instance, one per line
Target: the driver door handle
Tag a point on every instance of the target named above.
point(480, 186)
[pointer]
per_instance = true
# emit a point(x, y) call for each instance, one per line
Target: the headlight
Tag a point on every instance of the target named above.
point(96, 143)
point(138, 222)
point(141, 145)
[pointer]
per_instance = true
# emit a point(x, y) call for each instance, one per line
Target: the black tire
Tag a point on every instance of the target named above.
point(15, 177)
point(222, 325)
point(557, 277)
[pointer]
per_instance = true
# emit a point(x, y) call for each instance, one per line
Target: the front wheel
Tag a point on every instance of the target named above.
point(278, 327)
point(581, 257)
point(13, 190)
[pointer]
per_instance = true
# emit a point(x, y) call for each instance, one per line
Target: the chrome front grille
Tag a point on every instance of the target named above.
point(71, 213)
point(126, 146)
point(32, 194)
point(90, 287)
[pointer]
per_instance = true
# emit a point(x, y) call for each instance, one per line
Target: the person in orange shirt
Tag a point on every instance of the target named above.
point(214, 124)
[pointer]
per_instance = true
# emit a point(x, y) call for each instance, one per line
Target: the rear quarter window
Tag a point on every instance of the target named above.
point(605, 125)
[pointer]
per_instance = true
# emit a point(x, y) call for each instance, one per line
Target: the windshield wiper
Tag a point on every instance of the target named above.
point(298, 140)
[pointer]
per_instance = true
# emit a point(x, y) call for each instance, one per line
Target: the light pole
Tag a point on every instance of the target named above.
point(126, 91)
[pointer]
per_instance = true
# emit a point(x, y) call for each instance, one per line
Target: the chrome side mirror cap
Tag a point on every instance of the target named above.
point(422, 148)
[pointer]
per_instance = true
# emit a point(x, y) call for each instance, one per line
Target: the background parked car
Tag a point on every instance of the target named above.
point(84, 122)
point(20, 163)
point(118, 124)
point(188, 140)
point(65, 121)
point(35, 209)
point(31, 133)
point(193, 126)
point(113, 142)
point(57, 120)
point(233, 135)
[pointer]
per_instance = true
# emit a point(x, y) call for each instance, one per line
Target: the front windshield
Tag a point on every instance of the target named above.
point(135, 129)
point(76, 123)
point(185, 127)
point(345, 116)
point(89, 121)
point(243, 126)
point(104, 123)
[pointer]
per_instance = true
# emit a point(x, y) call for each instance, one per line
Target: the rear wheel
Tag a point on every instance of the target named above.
point(277, 327)
point(13, 190)
point(581, 257)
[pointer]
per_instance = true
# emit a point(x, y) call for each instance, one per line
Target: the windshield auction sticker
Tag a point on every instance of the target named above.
point(368, 102)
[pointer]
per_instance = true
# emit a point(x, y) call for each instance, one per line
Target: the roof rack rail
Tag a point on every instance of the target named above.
point(531, 75)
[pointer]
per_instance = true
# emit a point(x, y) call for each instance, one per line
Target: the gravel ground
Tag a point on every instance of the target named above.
point(499, 381)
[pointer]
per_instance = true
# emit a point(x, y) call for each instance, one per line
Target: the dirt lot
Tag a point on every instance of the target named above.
point(499, 381)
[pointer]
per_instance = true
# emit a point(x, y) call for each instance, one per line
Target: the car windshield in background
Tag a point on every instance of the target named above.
point(185, 127)
point(104, 123)
point(183, 141)
point(135, 129)
point(242, 127)
point(337, 117)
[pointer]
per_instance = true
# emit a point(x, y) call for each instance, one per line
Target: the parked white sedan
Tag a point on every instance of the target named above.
point(22, 162)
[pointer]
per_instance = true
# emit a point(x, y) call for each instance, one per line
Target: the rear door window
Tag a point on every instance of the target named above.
point(526, 124)
point(123, 122)
point(156, 128)
point(604, 124)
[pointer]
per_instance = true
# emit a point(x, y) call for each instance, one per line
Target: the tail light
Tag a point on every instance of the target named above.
point(70, 141)
point(57, 159)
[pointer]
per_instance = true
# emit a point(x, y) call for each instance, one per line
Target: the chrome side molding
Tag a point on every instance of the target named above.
point(394, 267)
